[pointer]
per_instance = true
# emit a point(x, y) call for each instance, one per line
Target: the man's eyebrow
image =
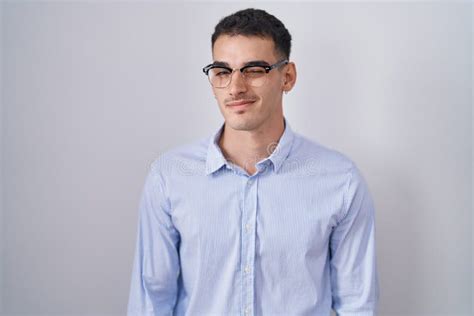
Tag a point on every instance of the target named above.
point(220, 63)
point(250, 63)
point(257, 62)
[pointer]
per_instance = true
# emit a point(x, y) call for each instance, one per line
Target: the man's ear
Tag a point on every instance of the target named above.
point(289, 77)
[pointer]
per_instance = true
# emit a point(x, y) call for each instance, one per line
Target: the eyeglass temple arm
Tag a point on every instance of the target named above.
point(278, 64)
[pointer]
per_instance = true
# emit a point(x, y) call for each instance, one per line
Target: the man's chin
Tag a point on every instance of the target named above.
point(240, 123)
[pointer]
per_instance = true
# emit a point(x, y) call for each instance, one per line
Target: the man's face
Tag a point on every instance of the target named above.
point(265, 104)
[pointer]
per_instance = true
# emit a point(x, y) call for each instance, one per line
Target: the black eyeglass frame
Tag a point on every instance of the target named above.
point(266, 67)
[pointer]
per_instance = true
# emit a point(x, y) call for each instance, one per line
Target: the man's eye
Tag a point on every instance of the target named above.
point(254, 70)
point(221, 72)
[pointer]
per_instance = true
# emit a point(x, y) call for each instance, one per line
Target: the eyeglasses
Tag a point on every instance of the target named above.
point(254, 75)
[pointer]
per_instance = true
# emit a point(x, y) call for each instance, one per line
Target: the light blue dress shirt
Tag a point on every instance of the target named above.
point(295, 238)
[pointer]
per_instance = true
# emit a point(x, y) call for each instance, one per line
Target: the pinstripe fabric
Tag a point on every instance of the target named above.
point(295, 238)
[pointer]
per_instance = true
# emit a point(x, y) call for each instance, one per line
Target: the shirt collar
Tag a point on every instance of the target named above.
point(215, 159)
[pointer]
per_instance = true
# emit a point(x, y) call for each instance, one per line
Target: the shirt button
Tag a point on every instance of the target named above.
point(247, 310)
point(247, 269)
point(247, 227)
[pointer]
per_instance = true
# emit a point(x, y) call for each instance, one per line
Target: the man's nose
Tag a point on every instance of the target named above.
point(237, 83)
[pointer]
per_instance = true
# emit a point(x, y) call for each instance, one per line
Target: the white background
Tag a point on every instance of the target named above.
point(93, 91)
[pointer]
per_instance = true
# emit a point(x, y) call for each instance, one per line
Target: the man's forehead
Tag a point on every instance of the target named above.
point(243, 49)
point(245, 63)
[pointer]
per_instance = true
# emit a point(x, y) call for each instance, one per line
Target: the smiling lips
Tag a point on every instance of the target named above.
point(240, 104)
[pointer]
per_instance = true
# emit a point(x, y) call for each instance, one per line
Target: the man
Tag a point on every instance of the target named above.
point(255, 219)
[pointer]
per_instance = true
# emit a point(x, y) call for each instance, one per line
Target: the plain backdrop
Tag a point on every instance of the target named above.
point(93, 91)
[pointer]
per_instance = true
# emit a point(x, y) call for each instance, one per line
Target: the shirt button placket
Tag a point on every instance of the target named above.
point(248, 246)
point(248, 310)
point(248, 227)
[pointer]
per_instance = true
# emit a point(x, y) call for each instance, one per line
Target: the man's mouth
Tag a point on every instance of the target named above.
point(239, 104)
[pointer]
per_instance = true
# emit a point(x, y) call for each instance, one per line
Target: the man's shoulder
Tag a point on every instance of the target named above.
point(321, 157)
point(186, 156)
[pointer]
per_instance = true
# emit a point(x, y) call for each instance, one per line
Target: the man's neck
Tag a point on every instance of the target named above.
point(246, 148)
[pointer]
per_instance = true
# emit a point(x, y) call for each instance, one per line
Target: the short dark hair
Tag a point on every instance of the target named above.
point(255, 22)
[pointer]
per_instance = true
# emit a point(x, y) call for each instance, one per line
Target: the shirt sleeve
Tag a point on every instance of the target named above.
point(156, 267)
point(353, 270)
